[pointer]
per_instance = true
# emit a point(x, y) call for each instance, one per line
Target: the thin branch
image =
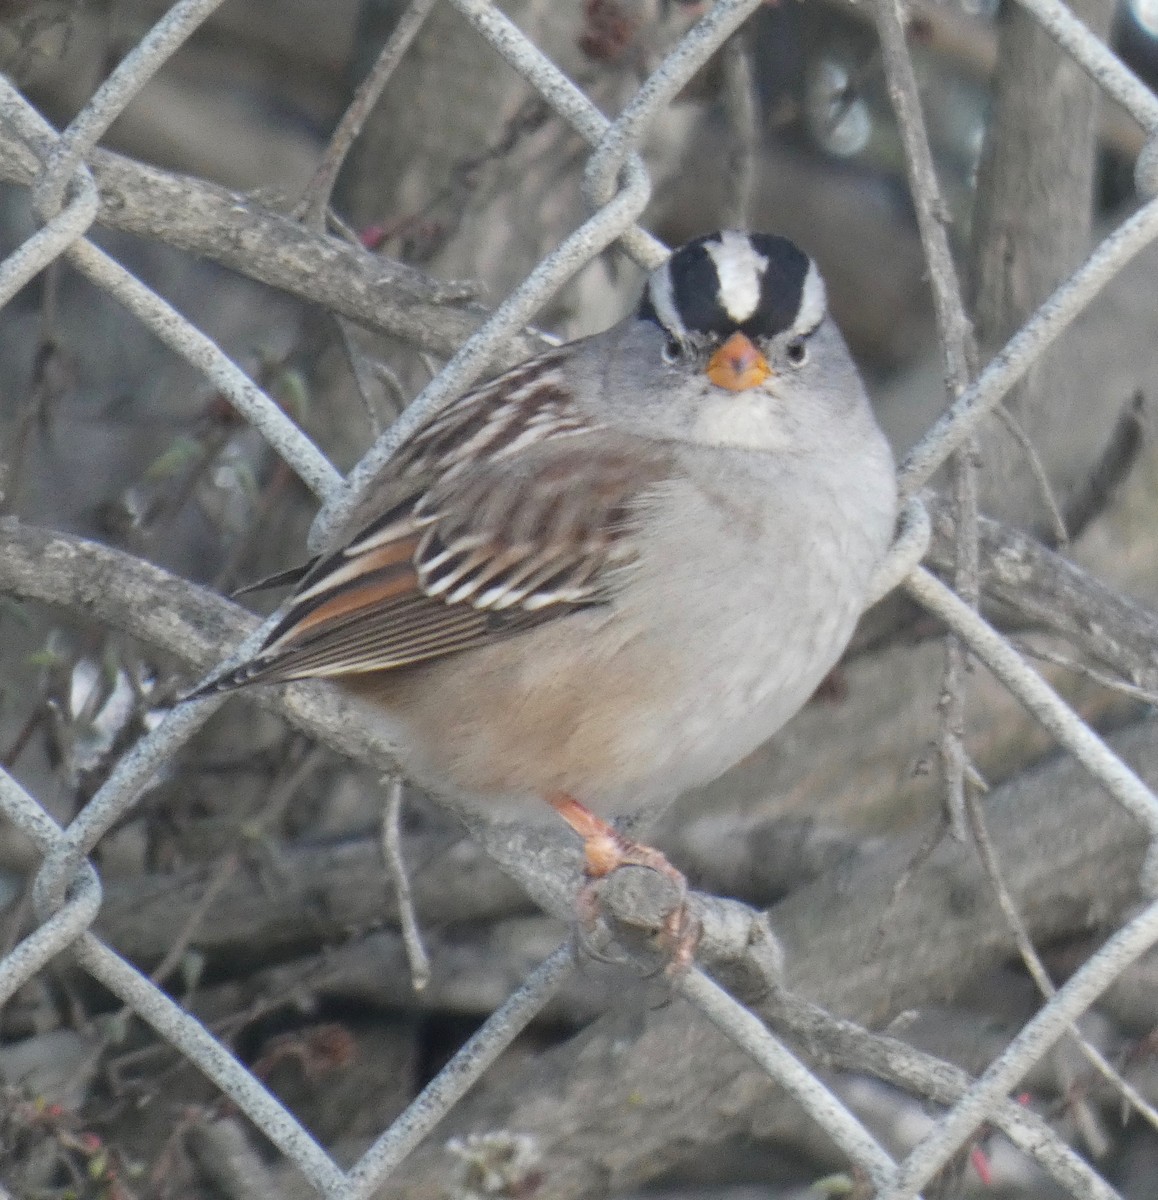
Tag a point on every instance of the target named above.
point(843, 1045)
point(316, 198)
point(1092, 1132)
point(464, 1069)
point(255, 827)
point(1117, 460)
point(1040, 699)
point(959, 352)
point(1049, 591)
point(364, 372)
point(239, 233)
point(954, 327)
point(392, 851)
point(1061, 531)
point(1146, 695)
point(949, 1134)
point(966, 569)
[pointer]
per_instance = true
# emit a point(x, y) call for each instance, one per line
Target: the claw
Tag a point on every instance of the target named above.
point(605, 850)
point(680, 938)
point(589, 924)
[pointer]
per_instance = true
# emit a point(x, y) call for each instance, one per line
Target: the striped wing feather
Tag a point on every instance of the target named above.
point(532, 523)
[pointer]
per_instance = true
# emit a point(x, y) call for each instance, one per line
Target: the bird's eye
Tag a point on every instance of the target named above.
point(673, 351)
point(797, 352)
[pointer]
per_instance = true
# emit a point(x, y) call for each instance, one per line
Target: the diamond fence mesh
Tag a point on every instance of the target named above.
point(66, 175)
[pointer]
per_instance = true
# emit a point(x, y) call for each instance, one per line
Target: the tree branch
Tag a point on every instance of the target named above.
point(1042, 587)
point(236, 232)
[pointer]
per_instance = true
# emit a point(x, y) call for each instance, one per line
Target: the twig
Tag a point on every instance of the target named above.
point(395, 859)
point(237, 232)
point(37, 404)
point(253, 828)
point(840, 1044)
point(1082, 989)
point(269, 503)
point(38, 714)
point(389, 378)
point(1087, 1122)
point(746, 1030)
point(959, 353)
point(459, 1075)
point(953, 325)
point(1061, 528)
point(1116, 462)
point(1057, 595)
point(1146, 695)
point(316, 197)
point(1011, 364)
point(951, 735)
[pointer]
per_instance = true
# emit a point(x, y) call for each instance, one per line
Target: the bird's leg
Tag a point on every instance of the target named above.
point(605, 849)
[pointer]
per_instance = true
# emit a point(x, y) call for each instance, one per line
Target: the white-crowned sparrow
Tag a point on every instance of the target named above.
point(612, 572)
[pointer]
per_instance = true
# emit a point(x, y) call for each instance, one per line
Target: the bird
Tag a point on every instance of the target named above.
point(613, 571)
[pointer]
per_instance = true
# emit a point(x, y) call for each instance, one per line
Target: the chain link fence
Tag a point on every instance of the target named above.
point(62, 168)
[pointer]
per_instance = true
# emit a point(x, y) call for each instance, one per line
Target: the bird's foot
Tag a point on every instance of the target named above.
point(605, 851)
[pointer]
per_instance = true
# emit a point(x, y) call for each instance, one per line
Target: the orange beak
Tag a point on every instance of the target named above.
point(737, 365)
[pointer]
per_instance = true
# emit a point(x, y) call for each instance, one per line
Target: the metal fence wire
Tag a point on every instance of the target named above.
point(68, 892)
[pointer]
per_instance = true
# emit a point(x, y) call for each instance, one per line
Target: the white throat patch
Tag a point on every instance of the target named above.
point(740, 269)
point(744, 420)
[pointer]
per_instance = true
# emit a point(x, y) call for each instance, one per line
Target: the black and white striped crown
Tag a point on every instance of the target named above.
point(758, 283)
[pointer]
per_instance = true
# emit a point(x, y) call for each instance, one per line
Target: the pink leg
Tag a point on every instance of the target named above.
point(605, 849)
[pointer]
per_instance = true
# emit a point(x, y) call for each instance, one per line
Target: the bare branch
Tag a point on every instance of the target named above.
point(239, 233)
point(1051, 592)
point(392, 851)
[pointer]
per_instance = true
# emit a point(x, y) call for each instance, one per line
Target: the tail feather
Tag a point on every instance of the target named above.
point(291, 575)
point(257, 670)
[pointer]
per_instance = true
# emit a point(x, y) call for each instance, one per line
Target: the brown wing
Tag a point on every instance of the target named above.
point(513, 522)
